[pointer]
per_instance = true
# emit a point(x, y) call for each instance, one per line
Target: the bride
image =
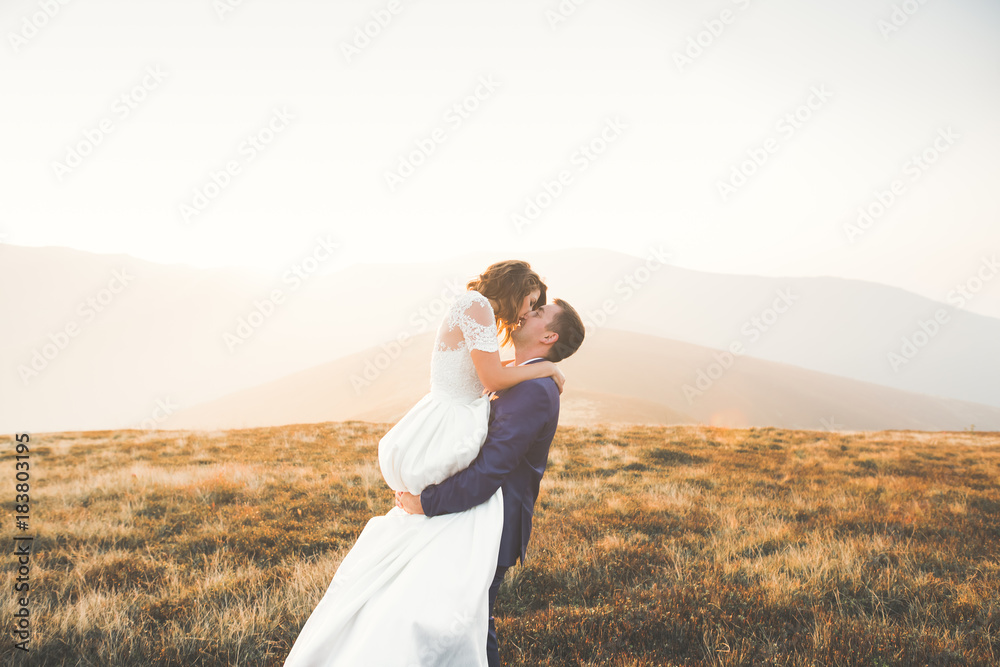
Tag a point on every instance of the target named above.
point(413, 590)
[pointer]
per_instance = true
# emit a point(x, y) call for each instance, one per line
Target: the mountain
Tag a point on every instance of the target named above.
point(107, 341)
point(615, 377)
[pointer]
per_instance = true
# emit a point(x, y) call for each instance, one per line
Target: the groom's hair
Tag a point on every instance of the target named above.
point(569, 326)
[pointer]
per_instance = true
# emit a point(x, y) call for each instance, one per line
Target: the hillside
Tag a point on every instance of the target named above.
point(616, 377)
point(143, 333)
point(651, 546)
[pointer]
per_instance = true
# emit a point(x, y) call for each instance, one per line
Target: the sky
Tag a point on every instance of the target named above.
point(766, 137)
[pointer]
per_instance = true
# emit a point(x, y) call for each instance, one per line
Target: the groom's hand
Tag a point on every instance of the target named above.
point(409, 502)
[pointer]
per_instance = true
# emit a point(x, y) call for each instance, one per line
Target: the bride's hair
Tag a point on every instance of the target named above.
point(507, 283)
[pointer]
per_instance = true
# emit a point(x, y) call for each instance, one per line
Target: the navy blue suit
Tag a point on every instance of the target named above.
point(523, 421)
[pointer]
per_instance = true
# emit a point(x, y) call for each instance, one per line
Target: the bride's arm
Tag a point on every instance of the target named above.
point(495, 376)
point(480, 334)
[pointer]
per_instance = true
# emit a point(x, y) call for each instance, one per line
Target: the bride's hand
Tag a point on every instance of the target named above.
point(409, 503)
point(557, 376)
point(560, 379)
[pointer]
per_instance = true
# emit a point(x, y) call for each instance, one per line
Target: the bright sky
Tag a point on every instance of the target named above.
point(746, 153)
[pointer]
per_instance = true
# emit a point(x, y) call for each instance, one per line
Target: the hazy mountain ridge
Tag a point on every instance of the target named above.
point(618, 377)
point(168, 334)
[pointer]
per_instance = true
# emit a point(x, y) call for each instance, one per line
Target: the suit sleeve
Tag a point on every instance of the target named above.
point(515, 427)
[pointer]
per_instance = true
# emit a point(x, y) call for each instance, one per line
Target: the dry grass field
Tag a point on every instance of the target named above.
point(652, 546)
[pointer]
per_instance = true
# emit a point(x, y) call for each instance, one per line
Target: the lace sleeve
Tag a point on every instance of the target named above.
point(478, 324)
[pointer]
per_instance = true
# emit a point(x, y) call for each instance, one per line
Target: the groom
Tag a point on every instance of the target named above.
point(522, 422)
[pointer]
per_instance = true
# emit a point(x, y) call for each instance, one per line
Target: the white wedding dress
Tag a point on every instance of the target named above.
point(413, 591)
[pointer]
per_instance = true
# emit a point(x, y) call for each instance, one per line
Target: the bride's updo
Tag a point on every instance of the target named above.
point(507, 283)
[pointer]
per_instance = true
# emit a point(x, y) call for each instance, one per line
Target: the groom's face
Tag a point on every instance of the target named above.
point(534, 326)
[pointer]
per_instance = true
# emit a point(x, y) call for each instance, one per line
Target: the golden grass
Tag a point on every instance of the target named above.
point(652, 546)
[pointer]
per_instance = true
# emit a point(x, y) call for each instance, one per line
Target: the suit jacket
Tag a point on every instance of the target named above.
point(522, 423)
